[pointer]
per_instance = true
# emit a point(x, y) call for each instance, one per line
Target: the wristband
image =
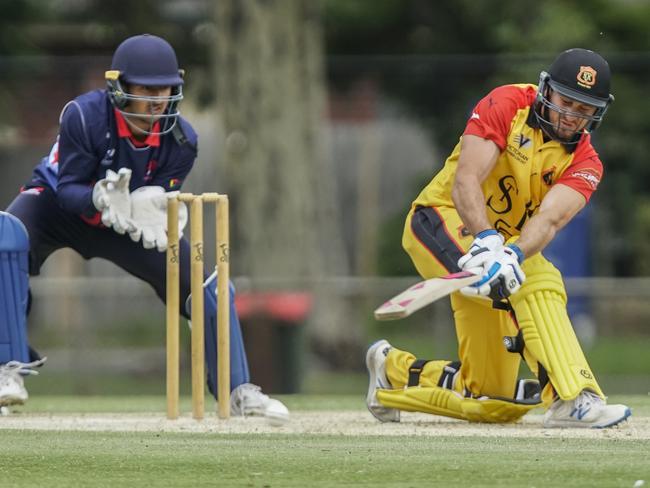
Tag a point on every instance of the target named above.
point(518, 252)
point(485, 233)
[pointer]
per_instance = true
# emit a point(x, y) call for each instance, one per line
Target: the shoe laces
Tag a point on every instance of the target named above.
point(17, 367)
point(586, 399)
point(248, 395)
point(249, 390)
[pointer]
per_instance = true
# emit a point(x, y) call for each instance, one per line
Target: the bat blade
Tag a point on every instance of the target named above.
point(422, 294)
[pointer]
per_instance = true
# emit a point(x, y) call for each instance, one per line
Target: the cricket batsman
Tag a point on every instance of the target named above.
point(103, 192)
point(524, 167)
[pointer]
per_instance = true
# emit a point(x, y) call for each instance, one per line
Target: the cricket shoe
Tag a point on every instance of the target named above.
point(248, 399)
point(12, 386)
point(588, 410)
point(376, 364)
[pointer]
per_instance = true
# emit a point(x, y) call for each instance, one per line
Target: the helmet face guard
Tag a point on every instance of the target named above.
point(121, 98)
point(579, 75)
point(149, 61)
point(544, 105)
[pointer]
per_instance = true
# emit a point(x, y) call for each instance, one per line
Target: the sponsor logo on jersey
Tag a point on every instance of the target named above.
point(505, 199)
point(523, 141)
point(518, 148)
point(174, 182)
point(591, 176)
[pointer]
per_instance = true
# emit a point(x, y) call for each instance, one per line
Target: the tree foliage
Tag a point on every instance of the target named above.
point(438, 58)
point(435, 59)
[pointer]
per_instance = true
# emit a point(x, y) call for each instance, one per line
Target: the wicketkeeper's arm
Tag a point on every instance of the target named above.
point(76, 164)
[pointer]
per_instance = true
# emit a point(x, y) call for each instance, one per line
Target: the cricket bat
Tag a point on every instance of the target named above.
point(423, 293)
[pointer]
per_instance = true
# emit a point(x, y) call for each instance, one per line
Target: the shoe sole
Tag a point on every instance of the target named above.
point(627, 413)
point(258, 412)
point(375, 410)
point(277, 419)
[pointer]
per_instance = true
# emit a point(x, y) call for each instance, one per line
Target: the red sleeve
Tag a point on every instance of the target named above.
point(586, 170)
point(492, 117)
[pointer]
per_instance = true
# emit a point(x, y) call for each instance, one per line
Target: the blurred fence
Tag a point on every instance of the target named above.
point(114, 327)
point(619, 306)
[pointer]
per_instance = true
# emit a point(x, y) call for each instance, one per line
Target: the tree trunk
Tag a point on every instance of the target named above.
point(270, 92)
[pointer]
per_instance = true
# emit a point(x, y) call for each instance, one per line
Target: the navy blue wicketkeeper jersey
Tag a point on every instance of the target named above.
point(93, 138)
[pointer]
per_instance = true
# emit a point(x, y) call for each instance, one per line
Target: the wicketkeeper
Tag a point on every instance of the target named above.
point(103, 192)
point(524, 167)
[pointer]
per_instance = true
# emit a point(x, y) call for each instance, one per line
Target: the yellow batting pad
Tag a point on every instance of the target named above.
point(540, 307)
point(448, 403)
point(432, 399)
point(494, 410)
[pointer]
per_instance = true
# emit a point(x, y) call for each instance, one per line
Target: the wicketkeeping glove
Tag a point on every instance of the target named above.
point(503, 278)
point(482, 252)
point(111, 198)
point(149, 213)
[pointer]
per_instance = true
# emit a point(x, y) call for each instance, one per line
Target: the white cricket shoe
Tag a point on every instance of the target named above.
point(12, 386)
point(587, 410)
point(375, 362)
point(248, 399)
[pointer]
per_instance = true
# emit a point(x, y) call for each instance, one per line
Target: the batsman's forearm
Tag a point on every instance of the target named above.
point(468, 198)
point(537, 233)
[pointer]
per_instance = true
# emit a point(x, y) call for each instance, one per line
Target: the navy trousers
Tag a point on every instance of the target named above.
point(51, 228)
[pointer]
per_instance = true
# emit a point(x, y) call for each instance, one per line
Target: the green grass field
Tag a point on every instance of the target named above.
point(64, 458)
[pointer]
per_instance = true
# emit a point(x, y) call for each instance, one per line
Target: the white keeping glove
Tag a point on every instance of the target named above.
point(149, 213)
point(503, 278)
point(482, 252)
point(111, 198)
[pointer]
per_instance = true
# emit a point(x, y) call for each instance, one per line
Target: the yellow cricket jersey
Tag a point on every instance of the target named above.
point(527, 166)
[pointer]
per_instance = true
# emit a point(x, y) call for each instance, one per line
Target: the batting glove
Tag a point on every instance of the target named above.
point(483, 251)
point(503, 278)
point(111, 198)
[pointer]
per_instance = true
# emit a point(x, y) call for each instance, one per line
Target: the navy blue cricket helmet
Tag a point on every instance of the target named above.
point(146, 60)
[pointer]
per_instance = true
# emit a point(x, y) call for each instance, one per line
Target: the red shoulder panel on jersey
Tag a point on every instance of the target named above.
point(492, 116)
point(585, 171)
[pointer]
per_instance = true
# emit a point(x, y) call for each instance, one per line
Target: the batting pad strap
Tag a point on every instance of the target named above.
point(448, 403)
point(501, 305)
point(448, 375)
point(415, 370)
point(514, 343)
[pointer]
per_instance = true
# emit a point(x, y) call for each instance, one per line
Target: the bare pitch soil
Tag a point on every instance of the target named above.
point(352, 423)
